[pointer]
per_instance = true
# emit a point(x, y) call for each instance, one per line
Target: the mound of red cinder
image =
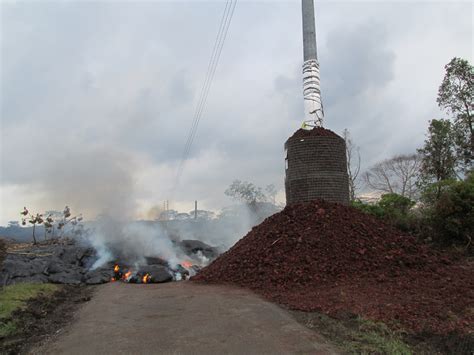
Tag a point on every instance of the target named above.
point(320, 256)
point(317, 131)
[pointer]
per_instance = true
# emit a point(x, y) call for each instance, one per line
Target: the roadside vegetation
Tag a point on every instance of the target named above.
point(430, 193)
point(356, 335)
point(31, 312)
point(14, 298)
point(443, 215)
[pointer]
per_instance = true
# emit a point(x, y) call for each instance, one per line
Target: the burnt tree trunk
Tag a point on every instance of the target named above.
point(34, 237)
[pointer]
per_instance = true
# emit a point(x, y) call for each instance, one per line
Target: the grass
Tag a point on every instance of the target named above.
point(370, 336)
point(7, 328)
point(14, 297)
point(356, 335)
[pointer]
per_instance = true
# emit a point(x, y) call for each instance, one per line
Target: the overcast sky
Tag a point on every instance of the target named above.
point(97, 97)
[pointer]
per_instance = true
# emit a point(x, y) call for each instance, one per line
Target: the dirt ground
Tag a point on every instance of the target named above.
point(43, 317)
point(3, 249)
point(183, 318)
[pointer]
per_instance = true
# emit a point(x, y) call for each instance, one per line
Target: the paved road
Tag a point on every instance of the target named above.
point(182, 318)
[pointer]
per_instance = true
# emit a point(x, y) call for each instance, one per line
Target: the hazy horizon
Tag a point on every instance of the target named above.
point(97, 98)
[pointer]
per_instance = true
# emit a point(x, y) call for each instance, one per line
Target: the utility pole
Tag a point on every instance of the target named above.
point(166, 209)
point(316, 166)
point(314, 113)
point(309, 31)
point(195, 209)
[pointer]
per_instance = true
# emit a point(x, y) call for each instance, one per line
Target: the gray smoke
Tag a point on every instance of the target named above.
point(132, 242)
point(231, 224)
point(98, 181)
point(92, 180)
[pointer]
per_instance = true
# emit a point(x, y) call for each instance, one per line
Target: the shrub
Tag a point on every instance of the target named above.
point(451, 214)
point(432, 193)
point(396, 204)
point(373, 209)
point(397, 210)
point(392, 208)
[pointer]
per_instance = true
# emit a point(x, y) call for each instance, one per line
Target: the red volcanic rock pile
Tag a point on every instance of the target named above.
point(317, 131)
point(328, 257)
point(317, 242)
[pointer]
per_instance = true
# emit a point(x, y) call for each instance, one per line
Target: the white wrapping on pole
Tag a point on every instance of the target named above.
point(313, 105)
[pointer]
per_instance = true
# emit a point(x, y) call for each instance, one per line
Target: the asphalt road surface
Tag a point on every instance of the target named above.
point(182, 318)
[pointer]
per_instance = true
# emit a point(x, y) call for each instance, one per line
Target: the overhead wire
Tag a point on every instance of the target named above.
point(207, 77)
point(225, 22)
point(211, 70)
point(210, 66)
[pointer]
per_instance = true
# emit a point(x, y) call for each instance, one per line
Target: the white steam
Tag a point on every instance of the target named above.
point(132, 242)
point(99, 180)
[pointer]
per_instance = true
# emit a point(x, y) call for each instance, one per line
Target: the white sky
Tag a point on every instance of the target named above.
point(97, 97)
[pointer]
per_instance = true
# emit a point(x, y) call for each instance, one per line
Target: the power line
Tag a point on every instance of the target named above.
point(206, 81)
point(211, 69)
point(225, 22)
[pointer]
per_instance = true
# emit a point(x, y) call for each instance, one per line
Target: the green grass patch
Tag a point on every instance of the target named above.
point(14, 297)
point(375, 336)
point(356, 335)
point(7, 328)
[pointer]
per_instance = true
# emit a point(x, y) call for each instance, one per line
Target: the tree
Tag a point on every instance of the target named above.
point(438, 154)
point(353, 164)
point(246, 192)
point(396, 202)
point(451, 214)
point(168, 215)
point(49, 222)
point(182, 216)
point(260, 203)
point(34, 219)
point(397, 210)
point(202, 214)
point(397, 175)
point(66, 219)
point(456, 95)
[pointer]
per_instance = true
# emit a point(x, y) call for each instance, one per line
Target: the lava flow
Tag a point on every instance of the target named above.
point(146, 278)
point(182, 271)
point(187, 264)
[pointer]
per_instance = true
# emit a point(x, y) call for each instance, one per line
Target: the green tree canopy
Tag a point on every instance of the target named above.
point(456, 95)
point(451, 214)
point(438, 153)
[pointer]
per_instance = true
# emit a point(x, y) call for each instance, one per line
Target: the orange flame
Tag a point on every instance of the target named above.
point(146, 278)
point(116, 268)
point(127, 276)
point(187, 264)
